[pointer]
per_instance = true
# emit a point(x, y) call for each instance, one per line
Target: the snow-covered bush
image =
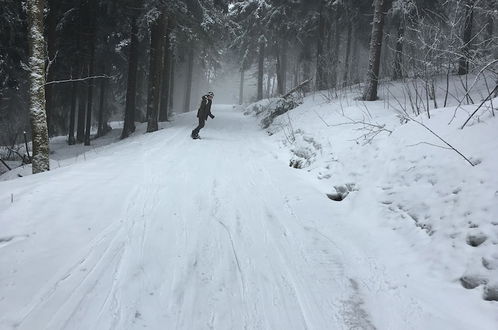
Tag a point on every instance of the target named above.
point(280, 107)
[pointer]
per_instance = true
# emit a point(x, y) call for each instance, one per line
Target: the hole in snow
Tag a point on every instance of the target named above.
point(490, 293)
point(490, 263)
point(471, 282)
point(476, 239)
point(341, 192)
point(336, 197)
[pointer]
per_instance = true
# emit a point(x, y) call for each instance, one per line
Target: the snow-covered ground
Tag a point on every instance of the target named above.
point(164, 232)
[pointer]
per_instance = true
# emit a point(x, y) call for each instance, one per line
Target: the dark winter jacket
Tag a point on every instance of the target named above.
point(205, 108)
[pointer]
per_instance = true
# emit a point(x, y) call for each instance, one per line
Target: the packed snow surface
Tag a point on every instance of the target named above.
point(164, 232)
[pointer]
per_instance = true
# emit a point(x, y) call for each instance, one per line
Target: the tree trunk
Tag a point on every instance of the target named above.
point(51, 50)
point(398, 56)
point(89, 104)
point(370, 93)
point(354, 75)
point(155, 73)
point(80, 130)
point(261, 69)
point(345, 77)
point(241, 86)
point(38, 116)
point(463, 64)
point(321, 81)
point(102, 125)
point(172, 79)
point(489, 26)
point(91, 67)
point(282, 66)
point(166, 78)
point(72, 115)
point(278, 65)
point(131, 89)
point(268, 85)
point(335, 48)
point(296, 73)
point(190, 69)
point(80, 86)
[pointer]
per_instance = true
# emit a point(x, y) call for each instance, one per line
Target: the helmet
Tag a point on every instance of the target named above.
point(210, 94)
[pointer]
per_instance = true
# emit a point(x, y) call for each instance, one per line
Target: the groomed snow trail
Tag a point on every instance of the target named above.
point(164, 232)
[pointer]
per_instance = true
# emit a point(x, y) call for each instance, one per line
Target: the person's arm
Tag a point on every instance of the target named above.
point(210, 114)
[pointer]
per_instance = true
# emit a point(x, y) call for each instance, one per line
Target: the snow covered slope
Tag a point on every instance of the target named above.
point(404, 177)
point(164, 232)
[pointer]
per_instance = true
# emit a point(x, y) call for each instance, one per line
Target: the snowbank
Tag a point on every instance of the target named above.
point(379, 157)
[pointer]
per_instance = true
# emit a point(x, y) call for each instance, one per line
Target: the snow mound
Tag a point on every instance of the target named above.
point(415, 173)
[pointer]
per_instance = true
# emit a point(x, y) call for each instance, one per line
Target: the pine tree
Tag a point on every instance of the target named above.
point(155, 72)
point(463, 64)
point(131, 89)
point(370, 93)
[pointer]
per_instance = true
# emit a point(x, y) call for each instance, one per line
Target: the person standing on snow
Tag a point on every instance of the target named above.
point(203, 113)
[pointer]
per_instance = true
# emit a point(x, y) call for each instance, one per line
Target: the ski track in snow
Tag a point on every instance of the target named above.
point(189, 235)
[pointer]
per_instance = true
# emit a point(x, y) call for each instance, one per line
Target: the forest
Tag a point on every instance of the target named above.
point(68, 67)
point(342, 172)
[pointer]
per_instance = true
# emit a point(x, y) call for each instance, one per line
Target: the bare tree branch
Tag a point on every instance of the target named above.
point(479, 107)
point(76, 80)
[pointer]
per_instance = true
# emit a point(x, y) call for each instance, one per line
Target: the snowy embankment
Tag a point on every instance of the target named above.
point(403, 177)
point(63, 155)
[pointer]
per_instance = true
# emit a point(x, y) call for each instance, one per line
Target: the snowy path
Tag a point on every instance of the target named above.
point(168, 233)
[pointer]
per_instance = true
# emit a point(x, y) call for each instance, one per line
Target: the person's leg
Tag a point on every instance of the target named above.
point(196, 131)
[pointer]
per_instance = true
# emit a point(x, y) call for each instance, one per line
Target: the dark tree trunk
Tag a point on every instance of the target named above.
point(335, 48)
point(102, 125)
point(166, 78)
point(80, 130)
point(321, 81)
point(489, 27)
point(489, 41)
point(278, 66)
point(190, 69)
point(261, 69)
point(52, 51)
point(268, 85)
point(349, 33)
point(284, 64)
point(463, 64)
point(38, 115)
point(72, 115)
point(398, 56)
point(172, 78)
point(89, 105)
point(296, 73)
point(354, 75)
point(241, 86)
point(131, 89)
point(370, 93)
point(91, 67)
point(282, 48)
point(305, 63)
point(155, 73)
